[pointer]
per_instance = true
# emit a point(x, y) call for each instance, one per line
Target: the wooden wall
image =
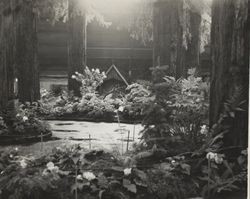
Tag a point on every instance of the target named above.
point(105, 46)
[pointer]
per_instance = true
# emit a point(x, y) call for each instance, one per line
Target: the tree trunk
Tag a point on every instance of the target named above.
point(76, 44)
point(171, 21)
point(7, 50)
point(193, 48)
point(230, 62)
point(26, 52)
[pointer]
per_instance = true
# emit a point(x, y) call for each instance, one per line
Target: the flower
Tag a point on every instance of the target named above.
point(16, 149)
point(54, 169)
point(203, 129)
point(50, 165)
point(121, 109)
point(97, 71)
point(210, 156)
point(88, 175)
point(219, 158)
point(79, 177)
point(45, 172)
point(77, 73)
point(127, 171)
point(23, 163)
point(73, 77)
point(25, 118)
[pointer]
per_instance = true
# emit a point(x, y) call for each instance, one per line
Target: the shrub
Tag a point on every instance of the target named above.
point(95, 107)
point(90, 80)
point(177, 117)
point(139, 95)
point(24, 121)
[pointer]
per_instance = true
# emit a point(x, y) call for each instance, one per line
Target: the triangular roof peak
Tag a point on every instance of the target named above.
point(113, 67)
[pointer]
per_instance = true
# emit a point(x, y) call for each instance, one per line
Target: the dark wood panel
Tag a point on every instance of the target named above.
point(53, 39)
point(119, 53)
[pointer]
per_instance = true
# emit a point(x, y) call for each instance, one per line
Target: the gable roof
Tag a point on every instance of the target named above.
point(114, 73)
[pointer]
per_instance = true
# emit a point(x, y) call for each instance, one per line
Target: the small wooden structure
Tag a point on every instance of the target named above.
point(114, 81)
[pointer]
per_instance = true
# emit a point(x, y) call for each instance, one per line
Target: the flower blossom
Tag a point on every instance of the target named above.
point(203, 129)
point(88, 175)
point(23, 163)
point(51, 167)
point(25, 118)
point(218, 158)
point(97, 71)
point(121, 109)
point(127, 171)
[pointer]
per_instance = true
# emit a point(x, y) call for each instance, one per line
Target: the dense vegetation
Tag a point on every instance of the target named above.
point(194, 140)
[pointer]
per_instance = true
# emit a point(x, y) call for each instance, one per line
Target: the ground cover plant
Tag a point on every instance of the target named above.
point(93, 105)
point(177, 115)
point(23, 121)
point(74, 172)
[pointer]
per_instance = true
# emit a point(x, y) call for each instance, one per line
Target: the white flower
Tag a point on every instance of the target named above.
point(77, 73)
point(45, 172)
point(198, 100)
point(97, 71)
point(73, 77)
point(11, 156)
point(219, 158)
point(127, 171)
point(121, 109)
point(55, 169)
point(88, 175)
point(210, 156)
point(25, 118)
point(18, 115)
point(50, 165)
point(16, 149)
point(203, 129)
point(79, 177)
point(23, 163)
point(93, 70)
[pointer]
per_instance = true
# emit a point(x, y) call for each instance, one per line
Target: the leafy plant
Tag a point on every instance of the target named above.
point(136, 99)
point(90, 80)
point(177, 115)
point(25, 121)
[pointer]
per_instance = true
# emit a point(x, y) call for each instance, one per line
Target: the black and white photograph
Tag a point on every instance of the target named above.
point(124, 99)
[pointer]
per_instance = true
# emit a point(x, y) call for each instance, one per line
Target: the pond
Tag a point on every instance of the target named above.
point(102, 135)
point(108, 136)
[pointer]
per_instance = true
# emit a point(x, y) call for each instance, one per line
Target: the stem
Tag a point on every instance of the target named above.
point(89, 142)
point(209, 175)
point(128, 140)
point(41, 142)
point(76, 196)
point(118, 118)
